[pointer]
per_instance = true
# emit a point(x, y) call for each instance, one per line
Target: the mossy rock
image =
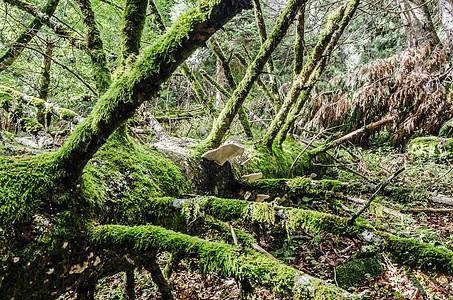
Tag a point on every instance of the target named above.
point(447, 129)
point(432, 148)
point(354, 273)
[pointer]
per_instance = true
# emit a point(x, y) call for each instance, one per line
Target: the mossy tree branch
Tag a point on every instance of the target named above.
point(41, 116)
point(232, 84)
point(156, 17)
point(141, 82)
point(8, 95)
point(241, 265)
point(259, 81)
point(277, 100)
point(365, 129)
point(223, 122)
point(299, 46)
point(17, 47)
point(409, 252)
point(134, 16)
point(95, 48)
point(196, 87)
point(44, 18)
point(316, 75)
point(301, 79)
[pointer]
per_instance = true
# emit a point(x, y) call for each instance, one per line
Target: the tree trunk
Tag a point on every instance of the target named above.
point(417, 23)
point(45, 248)
point(446, 17)
point(223, 122)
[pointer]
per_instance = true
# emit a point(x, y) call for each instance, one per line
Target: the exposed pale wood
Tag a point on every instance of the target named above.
point(261, 250)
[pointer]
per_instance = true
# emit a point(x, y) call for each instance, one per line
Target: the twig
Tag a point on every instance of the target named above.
point(348, 169)
point(417, 283)
point(428, 210)
point(262, 251)
point(443, 175)
point(368, 203)
point(303, 151)
point(235, 239)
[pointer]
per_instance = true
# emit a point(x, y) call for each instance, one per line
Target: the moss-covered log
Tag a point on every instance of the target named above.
point(47, 201)
point(231, 261)
point(9, 96)
point(432, 148)
point(409, 252)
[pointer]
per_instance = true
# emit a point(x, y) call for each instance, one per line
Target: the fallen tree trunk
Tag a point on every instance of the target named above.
point(47, 202)
point(409, 252)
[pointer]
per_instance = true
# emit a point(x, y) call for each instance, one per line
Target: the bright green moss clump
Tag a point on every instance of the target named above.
point(25, 183)
point(435, 148)
point(357, 271)
point(419, 255)
point(277, 163)
point(31, 125)
point(125, 180)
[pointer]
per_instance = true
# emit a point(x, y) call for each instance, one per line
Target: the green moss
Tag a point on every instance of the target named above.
point(5, 100)
point(26, 183)
point(126, 178)
point(231, 261)
point(277, 163)
point(31, 125)
point(312, 222)
point(323, 291)
point(447, 129)
point(132, 27)
point(332, 185)
point(66, 114)
point(419, 255)
point(263, 213)
point(356, 272)
point(434, 148)
point(228, 209)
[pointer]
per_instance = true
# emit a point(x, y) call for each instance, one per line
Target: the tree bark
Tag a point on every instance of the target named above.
point(18, 46)
point(446, 17)
point(95, 48)
point(223, 122)
point(417, 23)
point(232, 84)
point(140, 83)
point(303, 77)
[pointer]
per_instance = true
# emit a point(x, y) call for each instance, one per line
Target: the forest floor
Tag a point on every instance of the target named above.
point(320, 254)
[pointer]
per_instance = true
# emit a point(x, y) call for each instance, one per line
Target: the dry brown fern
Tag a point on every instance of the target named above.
point(411, 85)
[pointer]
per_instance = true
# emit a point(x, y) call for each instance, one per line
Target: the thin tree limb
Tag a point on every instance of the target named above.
point(368, 203)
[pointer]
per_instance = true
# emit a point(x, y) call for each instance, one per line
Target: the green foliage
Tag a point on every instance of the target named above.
point(288, 249)
point(357, 271)
point(419, 255)
point(432, 148)
point(30, 125)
